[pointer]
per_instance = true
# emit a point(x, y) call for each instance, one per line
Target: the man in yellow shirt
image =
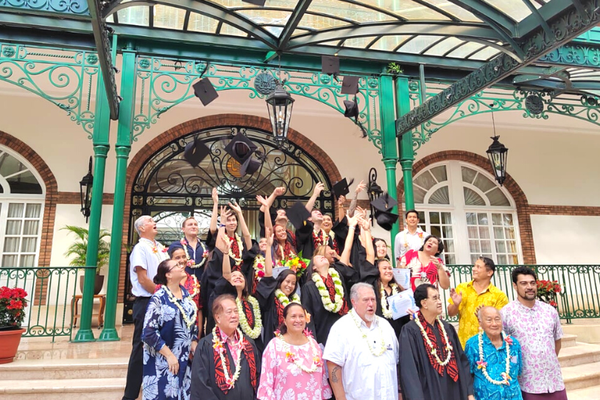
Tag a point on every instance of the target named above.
point(468, 297)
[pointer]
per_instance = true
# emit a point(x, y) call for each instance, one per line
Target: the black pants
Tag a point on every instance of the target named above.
point(136, 360)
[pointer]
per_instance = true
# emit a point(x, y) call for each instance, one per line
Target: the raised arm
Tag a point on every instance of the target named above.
point(224, 244)
point(310, 204)
point(365, 230)
point(215, 212)
point(361, 186)
point(341, 208)
point(269, 257)
point(345, 257)
point(242, 222)
point(266, 209)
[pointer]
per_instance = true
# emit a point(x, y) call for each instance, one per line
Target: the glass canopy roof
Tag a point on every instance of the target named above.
point(459, 29)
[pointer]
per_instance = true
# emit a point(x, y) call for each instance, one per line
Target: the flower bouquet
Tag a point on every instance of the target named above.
point(547, 292)
point(297, 264)
point(12, 307)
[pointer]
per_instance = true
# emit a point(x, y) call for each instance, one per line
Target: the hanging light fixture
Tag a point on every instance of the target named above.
point(279, 106)
point(85, 191)
point(497, 154)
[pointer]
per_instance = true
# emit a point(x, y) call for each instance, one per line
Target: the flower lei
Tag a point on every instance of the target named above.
point(321, 239)
point(364, 336)
point(219, 346)
point(482, 365)
point(157, 248)
point(419, 233)
point(286, 251)
point(191, 262)
point(432, 347)
point(284, 300)
point(339, 291)
point(188, 321)
point(292, 358)
point(238, 258)
point(385, 307)
point(252, 332)
point(259, 268)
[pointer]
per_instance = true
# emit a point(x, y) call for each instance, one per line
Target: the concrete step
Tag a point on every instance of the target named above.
point(581, 376)
point(589, 393)
point(64, 369)
point(578, 354)
point(62, 389)
point(568, 340)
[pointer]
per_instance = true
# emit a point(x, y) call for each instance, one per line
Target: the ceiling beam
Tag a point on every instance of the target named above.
point(293, 22)
point(566, 27)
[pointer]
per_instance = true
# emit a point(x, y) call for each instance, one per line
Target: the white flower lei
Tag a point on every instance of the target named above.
point(189, 322)
point(158, 249)
point(482, 365)
point(385, 307)
point(259, 266)
point(252, 332)
point(284, 300)
point(220, 347)
point(191, 263)
point(240, 248)
point(431, 347)
point(291, 357)
point(339, 291)
point(364, 336)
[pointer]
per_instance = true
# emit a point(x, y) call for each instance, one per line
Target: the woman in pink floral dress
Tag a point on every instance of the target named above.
point(292, 364)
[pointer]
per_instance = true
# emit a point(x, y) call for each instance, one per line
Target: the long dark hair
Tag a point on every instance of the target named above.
point(245, 290)
point(161, 273)
point(284, 274)
point(286, 311)
point(379, 284)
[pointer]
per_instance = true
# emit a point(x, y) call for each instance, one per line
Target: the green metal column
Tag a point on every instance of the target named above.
point(389, 149)
point(101, 147)
point(122, 148)
point(407, 154)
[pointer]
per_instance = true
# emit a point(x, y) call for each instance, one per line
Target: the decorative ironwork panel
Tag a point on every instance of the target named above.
point(163, 83)
point(75, 7)
point(67, 78)
point(168, 182)
point(574, 55)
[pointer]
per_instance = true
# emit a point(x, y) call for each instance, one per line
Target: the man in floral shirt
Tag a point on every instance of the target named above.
point(536, 326)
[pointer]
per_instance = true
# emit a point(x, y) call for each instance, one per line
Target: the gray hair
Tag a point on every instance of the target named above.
point(357, 287)
point(481, 309)
point(139, 222)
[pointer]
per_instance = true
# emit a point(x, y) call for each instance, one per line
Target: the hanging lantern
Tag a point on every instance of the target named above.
point(497, 153)
point(279, 105)
point(85, 191)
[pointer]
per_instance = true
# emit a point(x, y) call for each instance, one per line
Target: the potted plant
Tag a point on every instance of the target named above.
point(547, 292)
point(12, 313)
point(79, 250)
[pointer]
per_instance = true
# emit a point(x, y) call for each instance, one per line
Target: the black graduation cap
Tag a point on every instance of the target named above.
point(250, 166)
point(256, 2)
point(351, 109)
point(240, 148)
point(350, 85)
point(330, 65)
point(205, 91)
point(383, 206)
point(297, 215)
point(195, 152)
point(341, 188)
point(386, 220)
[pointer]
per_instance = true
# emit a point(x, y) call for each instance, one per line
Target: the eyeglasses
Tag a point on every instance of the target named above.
point(176, 266)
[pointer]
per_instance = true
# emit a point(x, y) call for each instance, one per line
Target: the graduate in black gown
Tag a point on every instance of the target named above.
point(443, 375)
point(310, 234)
point(216, 373)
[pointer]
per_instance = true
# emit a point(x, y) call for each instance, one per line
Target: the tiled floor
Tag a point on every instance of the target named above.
point(62, 348)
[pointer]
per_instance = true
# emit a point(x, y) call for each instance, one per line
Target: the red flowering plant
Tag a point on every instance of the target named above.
point(547, 292)
point(12, 307)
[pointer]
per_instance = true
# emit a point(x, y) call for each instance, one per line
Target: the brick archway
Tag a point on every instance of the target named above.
point(212, 121)
point(523, 212)
point(51, 197)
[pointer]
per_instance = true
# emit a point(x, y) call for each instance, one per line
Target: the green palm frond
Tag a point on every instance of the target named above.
point(79, 248)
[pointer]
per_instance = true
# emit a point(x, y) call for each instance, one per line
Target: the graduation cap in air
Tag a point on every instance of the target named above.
point(341, 188)
point(195, 152)
point(383, 206)
point(350, 85)
point(298, 214)
point(240, 148)
point(330, 65)
point(205, 91)
point(250, 166)
point(256, 2)
point(351, 109)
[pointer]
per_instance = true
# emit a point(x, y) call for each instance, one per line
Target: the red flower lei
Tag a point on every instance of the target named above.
point(248, 351)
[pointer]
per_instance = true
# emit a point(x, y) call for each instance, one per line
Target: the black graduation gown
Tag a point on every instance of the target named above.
point(322, 319)
point(204, 386)
point(305, 242)
point(418, 379)
point(224, 287)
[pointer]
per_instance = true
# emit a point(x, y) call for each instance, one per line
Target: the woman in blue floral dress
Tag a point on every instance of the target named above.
point(170, 335)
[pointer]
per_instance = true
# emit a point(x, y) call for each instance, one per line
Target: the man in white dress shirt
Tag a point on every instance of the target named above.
point(362, 351)
point(143, 264)
point(410, 238)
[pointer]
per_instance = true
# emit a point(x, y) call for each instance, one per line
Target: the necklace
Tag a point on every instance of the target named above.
point(157, 249)
point(320, 238)
point(419, 232)
point(482, 365)
point(236, 257)
point(292, 358)
point(381, 349)
point(286, 252)
point(219, 346)
point(284, 300)
point(325, 298)
point(385, 307)
point(259, 268)
point(188, 321)
point(432, 347)
point(190, 261)
point(252, 332)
